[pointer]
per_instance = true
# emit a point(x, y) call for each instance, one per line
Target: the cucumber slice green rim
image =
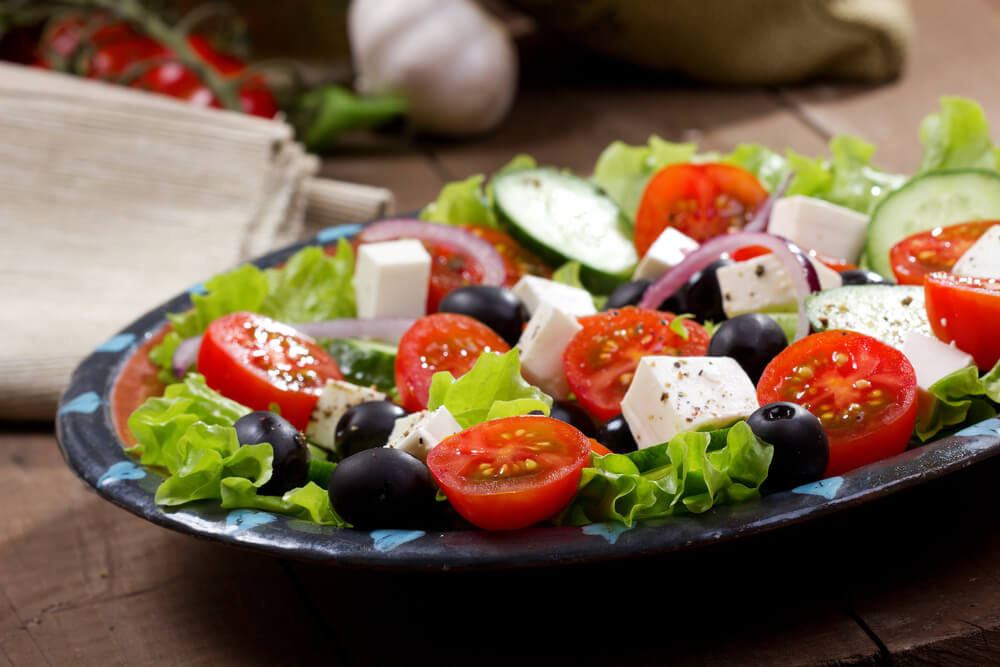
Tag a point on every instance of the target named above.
point(935, 199)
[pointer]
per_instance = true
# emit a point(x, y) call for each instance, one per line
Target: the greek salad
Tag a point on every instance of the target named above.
point(674, 331)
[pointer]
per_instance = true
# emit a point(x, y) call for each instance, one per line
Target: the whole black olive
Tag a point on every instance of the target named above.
point(496, 307)
point(801, 446)
point(365, 425)
point(752, 340)
point(290, 466)
point(383, 488)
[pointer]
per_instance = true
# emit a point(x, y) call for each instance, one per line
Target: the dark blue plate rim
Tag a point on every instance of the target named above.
point(91, 448)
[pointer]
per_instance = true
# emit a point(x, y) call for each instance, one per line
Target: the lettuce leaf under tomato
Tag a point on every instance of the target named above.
point(622, 171)
point(491, 389)
point(691, 473)
point(189, 431)
point(957, 400)
point(470, 201)
point(310, 287)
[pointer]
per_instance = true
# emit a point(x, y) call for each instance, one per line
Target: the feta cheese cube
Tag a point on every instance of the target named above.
point(933, 359)
point(541, 349)
point(391, 279)
point(419, 433)
point(337, 398)
point(818, 225)
point(571, 300)
point(761, 284)
point(673, 394)
point(667, 251)
point(982, 259)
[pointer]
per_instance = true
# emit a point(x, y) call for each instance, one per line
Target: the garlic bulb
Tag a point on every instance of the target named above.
point(455, 65)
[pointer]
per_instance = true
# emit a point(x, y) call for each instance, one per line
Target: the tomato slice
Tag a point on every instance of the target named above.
point(257, 361)
point(598, 448)
point(751, 251)
point(517, 261)
point(863, 391)
point(510, 473)
point(936, 250)
point(965, 310)
point(701, 200)
point(439, 342)
point(601, 358)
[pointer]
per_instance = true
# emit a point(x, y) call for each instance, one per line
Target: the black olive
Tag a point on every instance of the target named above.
point(575, 416)
point(383, 488)
point(364, 426)
point(628, 294)
point(801, 446)
point(496, 307)
point(290, 466)
point(700, 295)
point(753, 340)
point(862, 277)
point(616, 436)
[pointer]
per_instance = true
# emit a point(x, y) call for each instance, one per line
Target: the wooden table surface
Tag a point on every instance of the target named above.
point(914, 578)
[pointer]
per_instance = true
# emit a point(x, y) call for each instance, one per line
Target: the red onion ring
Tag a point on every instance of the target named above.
point(800, 270)
point(382, 328)
point(762, 218)
point(480, 250)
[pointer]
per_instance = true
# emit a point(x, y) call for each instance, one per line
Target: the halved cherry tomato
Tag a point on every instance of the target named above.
point(752, 251)
point(701, 200)
point(510, 473)
point(439, 342)
point(257, 361)
point(937, 250)
point(863, 391)
point(965, 310)
point(517, 261)
point(601, 358)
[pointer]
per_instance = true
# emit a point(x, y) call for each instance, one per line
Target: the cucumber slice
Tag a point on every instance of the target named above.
point(564, 218)
point(365, 363)
point(886, 312)
point(929, 201)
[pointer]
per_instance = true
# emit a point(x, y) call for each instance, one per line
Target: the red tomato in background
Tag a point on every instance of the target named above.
point(510, 473)
point(863, 391)
point(701, 200)
point(965, 310)
point(257, 361)
point(752, 251)
point(517, 261)
point(439, 342)
point(115, 49)
point(936, 250)
point(601, 358)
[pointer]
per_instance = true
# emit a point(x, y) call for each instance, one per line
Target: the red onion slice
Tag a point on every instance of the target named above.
point(800, 270)
point(383, 328)
point(480, 250)
point(762, 218)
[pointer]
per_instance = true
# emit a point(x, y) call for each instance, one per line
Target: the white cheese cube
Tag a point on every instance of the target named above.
point(541, 349)
point(818, 225)
point(761, 284)
point(391, 279)
point(337, 398)
point(667, 251)
point(419, 433)
point(982, 259)
point(932, 359)
point(673, 394)
point(572, 300)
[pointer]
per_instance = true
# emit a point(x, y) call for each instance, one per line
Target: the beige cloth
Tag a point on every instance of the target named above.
point(113, 200)
point(741, 41)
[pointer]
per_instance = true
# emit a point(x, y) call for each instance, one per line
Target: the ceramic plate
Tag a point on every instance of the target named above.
point(89, 443)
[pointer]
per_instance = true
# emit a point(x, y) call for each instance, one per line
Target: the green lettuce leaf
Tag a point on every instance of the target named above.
point(691, 473)
point(622, 171)
point(160, 423)
point(162, 355)
point(957, 400)
point(492, 388)
point(569, 274)
point(958, 136)
point(309, 502)
point(311, 286)
point(470, 201)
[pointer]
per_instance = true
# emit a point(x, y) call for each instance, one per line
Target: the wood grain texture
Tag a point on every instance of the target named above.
point(955, 54)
